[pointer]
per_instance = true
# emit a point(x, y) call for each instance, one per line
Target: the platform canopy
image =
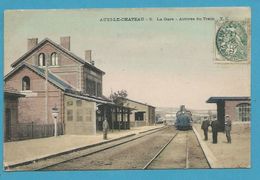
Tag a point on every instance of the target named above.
point(227, 98)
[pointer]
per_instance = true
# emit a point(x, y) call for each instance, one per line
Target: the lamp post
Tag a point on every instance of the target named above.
point(55, 113)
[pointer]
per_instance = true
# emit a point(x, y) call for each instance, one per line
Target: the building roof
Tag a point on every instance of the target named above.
point(81, 95)
point(47, 40)
point(13, 93)
point(227, 98)
point(41, 71)
point(66, 87)
point(87, 97)
point(138, 102)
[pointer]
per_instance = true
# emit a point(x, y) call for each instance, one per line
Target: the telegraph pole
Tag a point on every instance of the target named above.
point(46, 89)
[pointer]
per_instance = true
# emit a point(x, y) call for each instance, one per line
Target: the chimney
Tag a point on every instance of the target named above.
point(88, 57)
point(65, 42)
point(32, 42)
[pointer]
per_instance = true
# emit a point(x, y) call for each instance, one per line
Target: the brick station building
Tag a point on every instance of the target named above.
point(238, 108)
point(73, 85)
point(11, 97)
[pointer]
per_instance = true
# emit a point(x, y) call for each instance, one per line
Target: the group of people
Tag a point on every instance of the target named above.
point(215, 128)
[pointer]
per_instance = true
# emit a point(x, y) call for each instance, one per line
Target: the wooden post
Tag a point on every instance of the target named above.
point(116, 115)
point(32, 129)
point(124, 118)
point(112, 113)
point(119, 122)
point(122, 115)
point(128, 118)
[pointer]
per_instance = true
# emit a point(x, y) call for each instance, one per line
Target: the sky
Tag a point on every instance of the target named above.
point(163, 63)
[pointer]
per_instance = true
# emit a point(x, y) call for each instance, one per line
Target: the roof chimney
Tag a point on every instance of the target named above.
point(88, 57)
point(32, 42)
point(65, 42)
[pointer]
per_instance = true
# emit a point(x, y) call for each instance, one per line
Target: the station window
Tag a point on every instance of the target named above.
point(41, 60)
point(26, 83)
point(70, 103)
point(54, 59)
point(79, 115)
point(139, 116)
point(91, 87)
point(79, 102)
point(243, 112)
point(99, 90)
point(70, 115)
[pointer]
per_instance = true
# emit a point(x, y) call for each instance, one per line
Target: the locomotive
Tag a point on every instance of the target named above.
point(183, 119)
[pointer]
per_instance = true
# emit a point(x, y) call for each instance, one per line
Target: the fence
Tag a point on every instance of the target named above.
point(22, 131)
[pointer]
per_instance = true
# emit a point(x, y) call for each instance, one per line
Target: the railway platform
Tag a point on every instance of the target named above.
point(22, 152)
point(223, 154)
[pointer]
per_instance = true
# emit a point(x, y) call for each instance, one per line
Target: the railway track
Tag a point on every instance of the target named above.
point(51, 162)
point(160, 149)
point(158, 161)
point(159, 152)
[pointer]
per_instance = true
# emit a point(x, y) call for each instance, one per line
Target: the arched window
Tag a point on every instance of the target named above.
point(54, 59)
point(41, 59)
point(26, 83)
point(243, 111)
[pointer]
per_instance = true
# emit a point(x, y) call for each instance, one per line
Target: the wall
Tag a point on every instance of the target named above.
point(11, 103)
point(138, 107)
point(231, 110)
point(67, 69)
point(80, 116)
point(221, 114)
point(90, 75)
point(151, 115)
point(32, 107)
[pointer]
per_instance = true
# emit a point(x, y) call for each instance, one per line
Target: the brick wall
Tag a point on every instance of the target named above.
point(11, 104)
point(231, 110)
point(32, 107)
point(68, 69)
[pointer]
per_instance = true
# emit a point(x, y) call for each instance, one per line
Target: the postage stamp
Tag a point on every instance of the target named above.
point(232, 41)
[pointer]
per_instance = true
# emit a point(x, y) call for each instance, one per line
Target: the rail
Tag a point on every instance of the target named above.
point(159, 152)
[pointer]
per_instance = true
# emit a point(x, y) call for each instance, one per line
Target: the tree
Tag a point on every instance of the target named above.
point(119, 97)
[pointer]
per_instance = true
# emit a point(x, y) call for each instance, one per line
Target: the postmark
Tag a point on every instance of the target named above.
point(232, 41)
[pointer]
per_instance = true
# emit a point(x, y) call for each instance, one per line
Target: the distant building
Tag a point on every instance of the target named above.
point(142, 114)
point(170, 118)
point(238, 108)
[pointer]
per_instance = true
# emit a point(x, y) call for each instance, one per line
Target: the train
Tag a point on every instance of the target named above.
point(183, 119)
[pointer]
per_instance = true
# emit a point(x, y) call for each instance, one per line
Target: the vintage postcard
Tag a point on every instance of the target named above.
point(139, 88)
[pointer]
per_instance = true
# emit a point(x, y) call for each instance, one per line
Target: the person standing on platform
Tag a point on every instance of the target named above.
point(105, 129)
point(228, 125)
point(215, 126)
point(205, 127)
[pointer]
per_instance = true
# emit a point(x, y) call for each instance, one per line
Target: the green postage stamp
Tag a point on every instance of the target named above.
point(232, 41)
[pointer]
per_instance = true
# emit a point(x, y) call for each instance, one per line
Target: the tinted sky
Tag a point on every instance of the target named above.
point(163, 63)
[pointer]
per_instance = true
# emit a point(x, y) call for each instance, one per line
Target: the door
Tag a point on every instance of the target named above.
point(7, 124)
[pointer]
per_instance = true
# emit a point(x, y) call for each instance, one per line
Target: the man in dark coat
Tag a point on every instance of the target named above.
point(215, 126)
point(205, 127)
point(228, 125)
point(105, 128)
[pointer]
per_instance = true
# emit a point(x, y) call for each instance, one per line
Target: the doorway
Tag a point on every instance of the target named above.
point(7, 124)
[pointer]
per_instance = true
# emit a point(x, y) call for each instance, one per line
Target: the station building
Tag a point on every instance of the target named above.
point(142, 114)
point(49, 75)
point(238, 108)
point(11, 97)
